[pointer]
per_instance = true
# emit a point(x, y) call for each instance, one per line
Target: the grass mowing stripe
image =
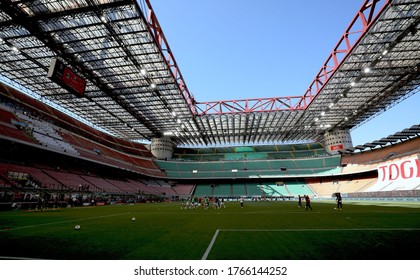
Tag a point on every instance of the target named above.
point(66, 221)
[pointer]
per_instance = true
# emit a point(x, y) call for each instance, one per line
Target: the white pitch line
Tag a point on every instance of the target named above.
point(323, 229)
point(66, 221)
point(206, 254)
point(17, 258)
point(213, 240)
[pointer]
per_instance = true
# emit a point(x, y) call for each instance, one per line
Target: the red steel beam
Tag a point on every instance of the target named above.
point(358, 27)
point(160, 40)
point(249, 105)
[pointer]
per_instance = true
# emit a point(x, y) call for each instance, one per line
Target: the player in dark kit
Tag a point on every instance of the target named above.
point(308, 203)
point(339, 201)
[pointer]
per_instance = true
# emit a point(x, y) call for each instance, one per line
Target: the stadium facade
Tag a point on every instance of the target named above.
point(76, 114)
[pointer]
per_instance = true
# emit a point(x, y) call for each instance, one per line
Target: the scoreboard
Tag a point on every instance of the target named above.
point(65, 77)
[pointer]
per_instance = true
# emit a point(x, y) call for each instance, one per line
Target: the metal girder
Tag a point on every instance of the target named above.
point(256, 105)
point(351, 37)
point(110, 53)
point(161, 41)
point(367, 15)
point(29, 23)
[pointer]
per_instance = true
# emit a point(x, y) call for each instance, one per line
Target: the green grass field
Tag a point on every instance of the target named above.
point(259, 231)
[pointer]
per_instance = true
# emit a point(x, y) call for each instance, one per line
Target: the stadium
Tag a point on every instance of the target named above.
point(105, 153)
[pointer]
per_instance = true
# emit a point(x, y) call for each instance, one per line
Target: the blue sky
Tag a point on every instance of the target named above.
point(237, 49)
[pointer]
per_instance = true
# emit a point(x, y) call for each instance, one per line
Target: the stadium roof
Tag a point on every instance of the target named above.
point(135, 89)
point(405, 134)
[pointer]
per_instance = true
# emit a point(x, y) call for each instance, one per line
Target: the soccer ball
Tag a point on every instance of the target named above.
point(77, 227)
point(133, 219)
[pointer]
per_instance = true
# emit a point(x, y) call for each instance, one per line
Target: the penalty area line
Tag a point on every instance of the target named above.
point(321, 229)
point(213, 240)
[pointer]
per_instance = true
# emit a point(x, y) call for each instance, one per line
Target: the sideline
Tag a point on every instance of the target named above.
point(65, 221)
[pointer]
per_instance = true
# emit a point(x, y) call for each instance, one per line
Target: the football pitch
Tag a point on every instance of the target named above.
point(258, 231)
